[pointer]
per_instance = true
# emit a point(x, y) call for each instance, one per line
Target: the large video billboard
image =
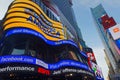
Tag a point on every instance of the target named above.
point(27, 14)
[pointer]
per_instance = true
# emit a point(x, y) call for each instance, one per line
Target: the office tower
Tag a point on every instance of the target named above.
point(38, 43)
point(66, 8)
point(103, 24)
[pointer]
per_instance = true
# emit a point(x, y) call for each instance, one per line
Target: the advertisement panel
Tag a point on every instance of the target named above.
point(34, 18)
point(115, 31)
point(71, 70)
point(107, 21)
point(31, 64)
point(21, 68)
point(97, 70)
point(91, 57)
point(35, 61)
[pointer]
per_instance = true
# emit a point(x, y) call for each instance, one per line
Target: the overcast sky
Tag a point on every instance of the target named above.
point(86, 24)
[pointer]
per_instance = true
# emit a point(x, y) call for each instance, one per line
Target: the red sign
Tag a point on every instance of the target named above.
point(91, 57)
point(107, 21)
point(43, 71)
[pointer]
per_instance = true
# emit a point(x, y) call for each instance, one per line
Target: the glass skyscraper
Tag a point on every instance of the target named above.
point(97, 13)
point(66, 8)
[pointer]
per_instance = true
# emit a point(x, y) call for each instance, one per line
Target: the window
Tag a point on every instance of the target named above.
point(72, 55)
point(13, 48)
point(66, 52)
point(18, 52)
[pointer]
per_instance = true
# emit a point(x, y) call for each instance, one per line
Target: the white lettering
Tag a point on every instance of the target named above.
point(5, 59)
point(67, 70)
point(17, 69)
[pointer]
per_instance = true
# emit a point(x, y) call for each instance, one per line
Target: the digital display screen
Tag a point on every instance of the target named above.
point(31, 60)
point(29, 31)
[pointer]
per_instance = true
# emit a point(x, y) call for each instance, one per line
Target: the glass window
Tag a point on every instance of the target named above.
point(66, 53)
point(13, 48)
point(72, 55)
point(42, 5)
point(5, 49)
point(33, 0)
point(80, 58)
point(18, 52)
point(44, 9)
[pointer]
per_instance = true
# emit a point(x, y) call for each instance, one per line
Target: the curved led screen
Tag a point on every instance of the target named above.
point(31, 60)
point(32, 32)
point(29, 15)
point(63, 66)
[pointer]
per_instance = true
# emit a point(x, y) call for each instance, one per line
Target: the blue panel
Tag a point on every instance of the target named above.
point(118, 43)
point(35, 61)
point(21, 59)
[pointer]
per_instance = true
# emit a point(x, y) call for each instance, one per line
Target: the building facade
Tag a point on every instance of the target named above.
point(103, 24)
point(39, 43)
point(66, 8)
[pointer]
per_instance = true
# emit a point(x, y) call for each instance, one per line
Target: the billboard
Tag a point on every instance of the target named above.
point(40, 63)
point(115, 31)
point(33, 17)
point(107, 21)
point(71, 70)
point(97, 70)
point(91, 57)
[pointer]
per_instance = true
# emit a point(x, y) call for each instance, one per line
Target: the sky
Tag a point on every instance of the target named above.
point(88, 28)
point(86, 23)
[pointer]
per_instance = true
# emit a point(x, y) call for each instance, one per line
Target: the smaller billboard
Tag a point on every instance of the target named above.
point(115, 31)
point(117, 42)
point(91, 57)
point(97, 70)
point(71, 70)
point(107, 21)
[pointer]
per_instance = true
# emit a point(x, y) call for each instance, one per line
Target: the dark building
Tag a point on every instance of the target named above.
point(38, 43)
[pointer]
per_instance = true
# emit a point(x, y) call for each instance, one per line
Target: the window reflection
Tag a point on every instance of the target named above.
point(18, 52)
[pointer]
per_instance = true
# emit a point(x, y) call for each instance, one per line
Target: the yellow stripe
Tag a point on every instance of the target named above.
point(11, 20)
point(18, 14)
point(31, 7)
point(34, 27)
point(23, 10)
point(34, 4)
point(15, 20)
point(23, 15)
